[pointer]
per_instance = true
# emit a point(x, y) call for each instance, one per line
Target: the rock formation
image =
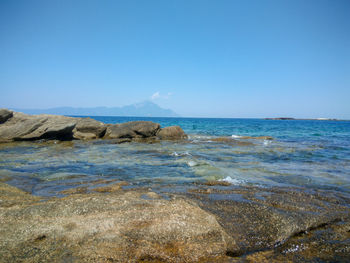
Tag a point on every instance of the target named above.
point(171, 133)
point(134, 129)
point(15, 126)
point(118, 227)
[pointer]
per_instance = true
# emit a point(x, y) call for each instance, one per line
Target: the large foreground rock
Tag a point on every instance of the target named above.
point(115, 227)
point(134, 129)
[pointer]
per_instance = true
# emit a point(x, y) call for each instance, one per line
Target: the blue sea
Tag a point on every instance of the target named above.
point(312, 154)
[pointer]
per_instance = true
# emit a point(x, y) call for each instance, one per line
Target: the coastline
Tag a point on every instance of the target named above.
point(152, 199)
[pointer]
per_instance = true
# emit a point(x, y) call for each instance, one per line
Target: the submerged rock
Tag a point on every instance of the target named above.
point(118, 227)
point(171, 133)
point(257, 137)
point(232, 142)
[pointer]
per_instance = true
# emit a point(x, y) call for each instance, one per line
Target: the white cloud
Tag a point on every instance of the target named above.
point(155, 95)
point(158, 96)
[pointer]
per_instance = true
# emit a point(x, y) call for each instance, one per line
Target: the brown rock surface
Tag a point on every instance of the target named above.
point(35, 127)
point(249, 224)
point(115, 227)
point(134, 129)
point(171, 133)
point(87, 129)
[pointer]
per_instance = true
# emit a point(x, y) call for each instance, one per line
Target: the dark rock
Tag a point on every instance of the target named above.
point(171, 133)
point(87, 129)
point(257, 137)
point(120, 140)
point(259, 219)
point(214, 183)
point(5, 115)
point(119, 227)
point(232, 142)
point(134, 129)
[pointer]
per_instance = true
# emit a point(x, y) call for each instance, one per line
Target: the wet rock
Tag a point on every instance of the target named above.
point(327, 243)
point(222, 139)
point(215, 183)
point(110, 188)
point(134, 129)
point(231, 141)
point(259, 219)
point(5, 115)
point(257, 137)
point(115, 227)
point(88, 129)
point(76, 190)
point(171, 133)
point(120, 140)
point(27, 127)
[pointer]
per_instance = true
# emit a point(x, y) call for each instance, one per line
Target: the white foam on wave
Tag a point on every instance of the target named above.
point(236, 136)
point(192, 163)
point(196, 137)
point(231, 180)
point(267, 142)
point(176, 154)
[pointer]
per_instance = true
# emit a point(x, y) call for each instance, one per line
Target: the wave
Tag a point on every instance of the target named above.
point(176, 154)
point(231, 180)
point(192, 163)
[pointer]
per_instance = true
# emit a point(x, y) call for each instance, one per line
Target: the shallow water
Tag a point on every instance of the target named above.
point(312, 154)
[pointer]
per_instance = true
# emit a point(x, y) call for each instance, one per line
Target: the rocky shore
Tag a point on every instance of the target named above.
point(206, 224)
point(16, 126)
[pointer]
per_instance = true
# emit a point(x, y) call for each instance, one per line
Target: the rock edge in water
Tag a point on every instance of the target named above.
point(16, 126)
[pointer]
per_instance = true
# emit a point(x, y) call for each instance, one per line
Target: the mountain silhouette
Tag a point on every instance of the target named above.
point(142, 109)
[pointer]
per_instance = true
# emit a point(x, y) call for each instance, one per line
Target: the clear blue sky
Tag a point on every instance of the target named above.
point(199, 58)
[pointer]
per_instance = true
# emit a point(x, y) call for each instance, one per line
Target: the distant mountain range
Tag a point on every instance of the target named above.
point(142, 109)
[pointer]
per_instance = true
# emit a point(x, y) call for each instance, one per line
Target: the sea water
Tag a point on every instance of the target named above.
point(303, 153)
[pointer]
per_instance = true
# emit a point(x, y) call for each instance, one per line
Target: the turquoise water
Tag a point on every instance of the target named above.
point(304, 153)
